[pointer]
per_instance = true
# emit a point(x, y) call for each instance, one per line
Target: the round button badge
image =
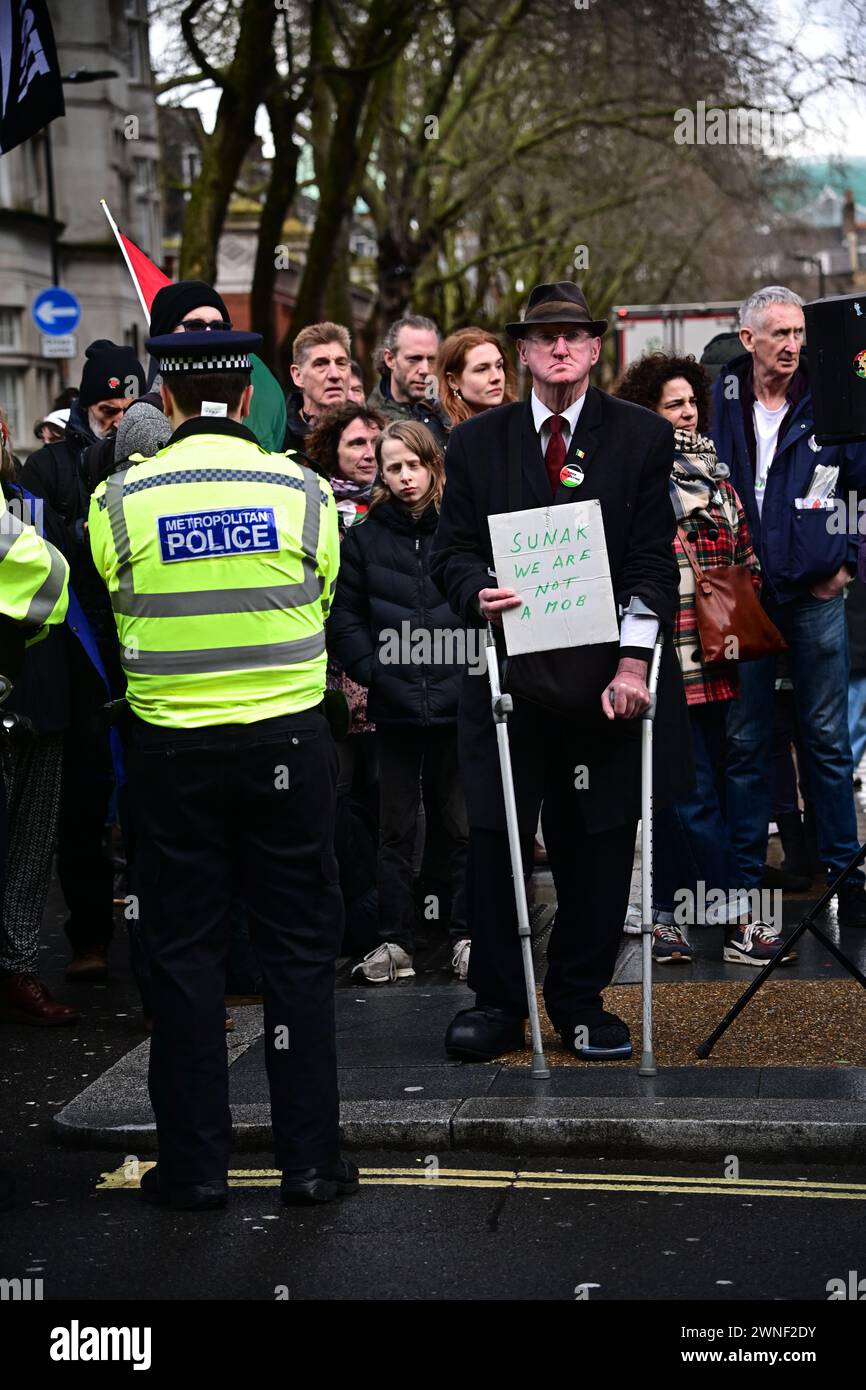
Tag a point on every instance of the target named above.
point(571, 476)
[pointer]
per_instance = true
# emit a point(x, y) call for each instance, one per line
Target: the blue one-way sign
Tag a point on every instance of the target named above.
point(56, 311)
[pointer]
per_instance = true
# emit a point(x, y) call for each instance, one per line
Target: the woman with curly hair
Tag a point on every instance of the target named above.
point(341, 447)
point(692, 844)
point(473, 374)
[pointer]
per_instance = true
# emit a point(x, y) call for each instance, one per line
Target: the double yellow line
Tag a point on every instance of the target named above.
point(129, 1175)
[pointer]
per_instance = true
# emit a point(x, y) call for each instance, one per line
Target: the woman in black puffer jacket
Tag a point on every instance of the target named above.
point(392, 631)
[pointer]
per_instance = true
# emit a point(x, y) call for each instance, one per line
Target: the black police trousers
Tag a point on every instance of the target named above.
point(246, 808)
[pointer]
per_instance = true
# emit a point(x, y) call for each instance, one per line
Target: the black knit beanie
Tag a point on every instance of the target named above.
point(107, 371)
point(173, 302)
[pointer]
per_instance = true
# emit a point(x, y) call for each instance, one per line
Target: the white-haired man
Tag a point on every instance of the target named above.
point(763, 428)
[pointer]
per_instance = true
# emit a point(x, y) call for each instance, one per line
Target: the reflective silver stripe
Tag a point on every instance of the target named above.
point(209, 601)
point(10, 529)
point(201, 602)
point(312, 516)
point(44, 601)
point(204, 661)
point(120, 537)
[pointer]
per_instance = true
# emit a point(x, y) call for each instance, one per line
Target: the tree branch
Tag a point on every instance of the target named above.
point(186, 22)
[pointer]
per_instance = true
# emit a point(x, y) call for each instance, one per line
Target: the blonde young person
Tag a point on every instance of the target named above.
point(392, 631)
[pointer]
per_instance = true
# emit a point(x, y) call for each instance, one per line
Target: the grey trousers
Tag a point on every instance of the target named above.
point(31, 776)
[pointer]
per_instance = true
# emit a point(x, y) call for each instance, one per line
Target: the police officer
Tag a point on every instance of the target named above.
point(220, 561)
point(34, 596)
point(34, 593)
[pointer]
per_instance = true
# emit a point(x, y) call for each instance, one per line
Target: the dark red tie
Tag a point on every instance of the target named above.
point(554, 459)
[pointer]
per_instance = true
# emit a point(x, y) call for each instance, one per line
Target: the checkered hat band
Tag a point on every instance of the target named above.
point(195, 363)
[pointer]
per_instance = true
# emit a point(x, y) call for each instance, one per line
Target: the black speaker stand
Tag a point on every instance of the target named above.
point(807, 924)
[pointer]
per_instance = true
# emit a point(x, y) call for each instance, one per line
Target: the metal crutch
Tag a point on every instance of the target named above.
point(502, 707)
point(647, 1060)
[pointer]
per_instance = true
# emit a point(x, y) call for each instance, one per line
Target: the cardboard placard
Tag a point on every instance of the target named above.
point(556, 559)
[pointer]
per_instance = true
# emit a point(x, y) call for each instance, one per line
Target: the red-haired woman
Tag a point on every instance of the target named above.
point(473, 374)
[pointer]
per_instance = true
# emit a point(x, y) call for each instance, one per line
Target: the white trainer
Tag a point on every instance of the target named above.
point(387, 963)
point(633, 920)
point(460, 959)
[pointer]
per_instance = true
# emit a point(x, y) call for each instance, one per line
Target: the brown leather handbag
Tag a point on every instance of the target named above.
point(727, 608)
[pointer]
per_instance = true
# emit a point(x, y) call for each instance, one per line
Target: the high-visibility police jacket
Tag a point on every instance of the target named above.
point(221, 562)
point(34, 576)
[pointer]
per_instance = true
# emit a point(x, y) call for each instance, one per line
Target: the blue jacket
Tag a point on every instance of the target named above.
point(796, 547)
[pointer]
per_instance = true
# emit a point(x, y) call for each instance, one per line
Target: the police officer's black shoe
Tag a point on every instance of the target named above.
point(482, 1033)
point(183, 1196)
point(308, 1187)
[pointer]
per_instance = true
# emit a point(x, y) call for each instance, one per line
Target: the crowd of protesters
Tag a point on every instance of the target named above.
point(745, 460)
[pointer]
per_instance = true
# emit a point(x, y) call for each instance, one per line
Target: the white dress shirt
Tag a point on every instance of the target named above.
point(542, 413)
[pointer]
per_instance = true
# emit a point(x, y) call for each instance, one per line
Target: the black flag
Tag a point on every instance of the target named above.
point(31, 93)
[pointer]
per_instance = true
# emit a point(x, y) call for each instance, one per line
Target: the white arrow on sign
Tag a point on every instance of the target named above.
point(52, 312)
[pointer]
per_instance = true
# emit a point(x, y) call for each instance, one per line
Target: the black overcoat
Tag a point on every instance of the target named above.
point(627, 457)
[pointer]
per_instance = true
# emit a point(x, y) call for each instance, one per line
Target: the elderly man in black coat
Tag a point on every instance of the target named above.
point(576, 754)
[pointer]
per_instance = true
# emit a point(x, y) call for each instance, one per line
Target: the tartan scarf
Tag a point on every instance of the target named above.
point(349, 489)
point(694, 476)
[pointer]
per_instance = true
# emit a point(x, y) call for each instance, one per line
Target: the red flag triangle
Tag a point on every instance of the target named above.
point(147, 277)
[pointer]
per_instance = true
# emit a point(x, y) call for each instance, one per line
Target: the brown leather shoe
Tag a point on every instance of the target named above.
point(24, 999)
point(88, 965)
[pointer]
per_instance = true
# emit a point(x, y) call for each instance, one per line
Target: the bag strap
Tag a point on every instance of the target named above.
point(701, 580)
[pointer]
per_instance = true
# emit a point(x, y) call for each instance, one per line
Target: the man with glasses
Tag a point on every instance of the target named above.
point(576, 750)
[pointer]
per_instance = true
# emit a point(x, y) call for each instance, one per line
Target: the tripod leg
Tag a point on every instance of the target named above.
point(806, 924)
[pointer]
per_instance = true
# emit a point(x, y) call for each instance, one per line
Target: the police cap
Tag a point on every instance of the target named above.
point(180, 354)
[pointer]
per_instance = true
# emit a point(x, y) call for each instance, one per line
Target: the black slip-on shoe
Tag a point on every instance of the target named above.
point(596, 1037)
point(183, 1196)
point(308, 1187)
point(484, 1033)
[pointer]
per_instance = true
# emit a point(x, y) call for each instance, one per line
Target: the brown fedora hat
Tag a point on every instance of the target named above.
point(562, 302)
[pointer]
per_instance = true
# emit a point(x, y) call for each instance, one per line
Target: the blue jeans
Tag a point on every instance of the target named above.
point(817, 657)
point(690, 838)
point(857, 716)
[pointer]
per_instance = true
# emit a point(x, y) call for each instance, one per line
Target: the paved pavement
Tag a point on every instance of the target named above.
point(398, 1088)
